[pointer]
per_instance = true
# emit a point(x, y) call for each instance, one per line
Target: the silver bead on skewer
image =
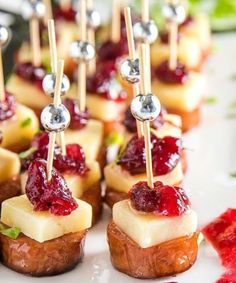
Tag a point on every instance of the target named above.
point(33, 9)
point(145, 107)
point(81, 51)
point(49, 82)
point(55, 118)
point(145, 32)
point(174, 13)
point(4, 35)
point(93, 19)
point(129, 71)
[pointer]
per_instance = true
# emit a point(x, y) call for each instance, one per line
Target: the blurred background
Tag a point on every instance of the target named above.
point(222, 15)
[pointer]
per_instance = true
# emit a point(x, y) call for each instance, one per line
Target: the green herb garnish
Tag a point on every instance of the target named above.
point(232, 174)
point(114, 138)
point(26, 122)
point(12, 233)
point(233, 105)
point(210, 100)
point(27, 153)
point(233, 77)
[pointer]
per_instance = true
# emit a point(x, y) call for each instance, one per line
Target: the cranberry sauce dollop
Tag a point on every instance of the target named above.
point(164, 37)
point(162, 200)
point(177, 76)
point(79, 119)
point(189, 20)
point(105, 84)
point(131, 125)
point(31, 73)
point(165, 155)
point(72, 163)
point(54, 195)
point(65, 15)
point(7, 107)
point(110, 51)
point(221, 233)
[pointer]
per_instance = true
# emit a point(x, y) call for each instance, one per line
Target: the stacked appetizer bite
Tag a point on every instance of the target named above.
point(26, 81)
point(83, 130)
point(82, 176)
point(129, 166)
point(18, 123)
point(179, 90)
point(53, 224)
point(155, 226)
point(165, 124)
point(198, 27)
point(105, 97)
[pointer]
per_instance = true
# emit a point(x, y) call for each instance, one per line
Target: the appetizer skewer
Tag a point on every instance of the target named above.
point(141, 226)
point(179, 90)
point(56, 223)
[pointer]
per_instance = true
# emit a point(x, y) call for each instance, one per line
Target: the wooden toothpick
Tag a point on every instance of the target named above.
point(132, 56)
point(91, 39)
point(173, 44)
point(82, 64)
point(146, 125)
point(48, 14)
point(116, 21)
point(65, 5)
point(2, 88)
point(35, 42)
point(145, 10)
point(173, 39)
point(53, 57)
point(56, 102)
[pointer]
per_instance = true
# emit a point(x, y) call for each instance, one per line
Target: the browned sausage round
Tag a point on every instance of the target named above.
point(52, 257)
point(9, 189)
point(93, 196)
point(165, 259)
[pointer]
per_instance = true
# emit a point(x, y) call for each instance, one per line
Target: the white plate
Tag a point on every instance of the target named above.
point(211, 157)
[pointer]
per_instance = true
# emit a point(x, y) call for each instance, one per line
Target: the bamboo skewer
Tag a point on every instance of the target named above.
point(132, 56)
point(146, 125)
point(173, 33)
point(116, 21)
point(65, 5)
point(48, 14)
point(56, 102)
point(82, 64)
point(35, 42)
point(2, 88)
point(53, 56)
point(91, 40)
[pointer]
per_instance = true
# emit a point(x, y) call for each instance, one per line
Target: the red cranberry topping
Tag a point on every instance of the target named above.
point(112, 51)
point(65, 15)
point(72, 163)
point(79, 118)
point(189, 20)
point(162, 200)
point(166, 75)
point(165, 155)
point(40, 140)
point(31, 73)
point(54, 195)
point(7, 107)
point(105, 84)
point(131, 125)
point(164, 37)
point(221, 233)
